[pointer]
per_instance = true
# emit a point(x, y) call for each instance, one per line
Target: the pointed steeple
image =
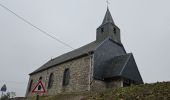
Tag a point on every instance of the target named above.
point(108, 17)
point(108, 29)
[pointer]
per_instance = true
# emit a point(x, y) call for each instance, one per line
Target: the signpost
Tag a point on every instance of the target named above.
point(3, 89)
point(39, 89)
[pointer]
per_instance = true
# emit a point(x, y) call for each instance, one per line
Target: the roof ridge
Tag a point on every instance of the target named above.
point(69, 56)
point(130, 54)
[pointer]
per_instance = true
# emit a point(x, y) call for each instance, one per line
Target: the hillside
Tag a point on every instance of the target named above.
point(155, 91)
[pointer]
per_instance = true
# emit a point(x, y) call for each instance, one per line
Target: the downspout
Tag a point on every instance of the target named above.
point(90, 71)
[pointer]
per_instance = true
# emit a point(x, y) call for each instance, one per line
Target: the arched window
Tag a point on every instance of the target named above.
point(66, 77)
point(30, 85)
point(51, 80)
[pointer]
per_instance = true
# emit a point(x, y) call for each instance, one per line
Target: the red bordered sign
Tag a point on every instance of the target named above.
point(39, 87)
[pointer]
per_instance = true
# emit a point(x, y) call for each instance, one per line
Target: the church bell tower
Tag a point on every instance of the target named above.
point(108, 29)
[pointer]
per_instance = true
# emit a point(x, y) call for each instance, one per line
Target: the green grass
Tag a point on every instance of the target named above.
point(155, 91)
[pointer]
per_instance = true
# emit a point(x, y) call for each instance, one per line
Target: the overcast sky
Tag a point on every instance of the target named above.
point(144, 24)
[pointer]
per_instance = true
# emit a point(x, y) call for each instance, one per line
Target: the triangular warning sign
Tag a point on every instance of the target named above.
point(39, 88)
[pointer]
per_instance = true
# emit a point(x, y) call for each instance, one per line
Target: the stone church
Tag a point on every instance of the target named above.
point(101, 64)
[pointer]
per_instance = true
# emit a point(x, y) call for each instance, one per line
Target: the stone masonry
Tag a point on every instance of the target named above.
point(79, 77)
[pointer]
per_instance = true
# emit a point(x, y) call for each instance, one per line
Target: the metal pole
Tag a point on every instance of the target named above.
point(37, 97)
point(2, 94)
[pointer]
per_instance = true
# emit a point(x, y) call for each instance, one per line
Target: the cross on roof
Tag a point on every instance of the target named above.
point(107, 1)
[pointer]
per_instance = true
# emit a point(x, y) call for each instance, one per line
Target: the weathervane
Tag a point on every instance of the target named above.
point(107, 1)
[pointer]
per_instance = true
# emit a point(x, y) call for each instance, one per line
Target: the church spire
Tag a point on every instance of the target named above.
point(108, 17)
point(108, 29)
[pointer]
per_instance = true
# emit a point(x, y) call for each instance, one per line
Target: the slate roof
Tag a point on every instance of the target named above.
point(123, 66)
point(69, 56)
point(108, 18)
point(116, 66)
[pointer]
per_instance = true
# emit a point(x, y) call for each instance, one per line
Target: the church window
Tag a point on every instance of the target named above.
point(66, 77)
point(51, 80)
point(114, 30)
point(102, 29)
point(30, 85)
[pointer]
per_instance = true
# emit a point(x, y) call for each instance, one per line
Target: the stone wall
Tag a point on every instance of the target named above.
point(114, 83)
point(98, 85)
point(79, 77)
